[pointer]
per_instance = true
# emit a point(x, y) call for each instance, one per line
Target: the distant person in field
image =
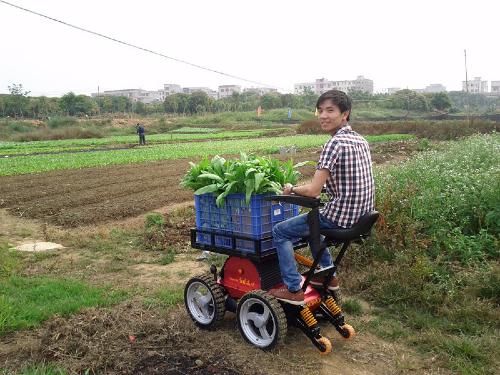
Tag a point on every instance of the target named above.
point(141, 133)
point(345, 168)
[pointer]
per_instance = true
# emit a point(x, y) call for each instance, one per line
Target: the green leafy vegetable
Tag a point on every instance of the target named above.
point(248, 175)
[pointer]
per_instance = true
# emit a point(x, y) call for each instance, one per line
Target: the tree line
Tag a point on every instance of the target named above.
point(19, 104)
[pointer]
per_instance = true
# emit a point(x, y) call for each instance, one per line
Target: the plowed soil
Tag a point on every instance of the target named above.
point(72, 198)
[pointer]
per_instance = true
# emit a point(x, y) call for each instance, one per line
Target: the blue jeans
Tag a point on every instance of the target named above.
point(289, 231)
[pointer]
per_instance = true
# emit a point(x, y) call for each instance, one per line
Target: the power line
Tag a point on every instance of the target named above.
point(135, 46)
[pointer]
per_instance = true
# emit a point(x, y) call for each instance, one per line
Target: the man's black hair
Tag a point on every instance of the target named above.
point(339, 98)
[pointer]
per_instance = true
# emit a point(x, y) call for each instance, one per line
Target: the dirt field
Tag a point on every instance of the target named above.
point(71, 198)
point(134, 337)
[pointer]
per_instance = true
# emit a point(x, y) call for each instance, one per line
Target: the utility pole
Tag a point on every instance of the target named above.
point(467, 88)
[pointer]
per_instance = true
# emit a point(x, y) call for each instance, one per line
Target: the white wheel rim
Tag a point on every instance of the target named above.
point(200, 303)
point(257, 322)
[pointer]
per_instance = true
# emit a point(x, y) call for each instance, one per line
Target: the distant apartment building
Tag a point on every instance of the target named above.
point(171, 88)
point(388, 90)
point(322, 84)
point(228, 90)
point(135, 95)
point(435, 87)
point(495, 88)
point(212, 93)
point(260, 90)
point(475, 86)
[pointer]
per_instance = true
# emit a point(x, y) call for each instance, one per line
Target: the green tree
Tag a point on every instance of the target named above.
point(271, 101)
point(409, 100)
point(440, 101)
point(199, 101)
point(18, 99)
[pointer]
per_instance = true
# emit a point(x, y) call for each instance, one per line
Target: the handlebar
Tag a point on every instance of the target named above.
point(299, 200)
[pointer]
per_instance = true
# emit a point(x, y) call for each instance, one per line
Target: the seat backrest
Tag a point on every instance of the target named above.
point(366, 222)
point(360, 229)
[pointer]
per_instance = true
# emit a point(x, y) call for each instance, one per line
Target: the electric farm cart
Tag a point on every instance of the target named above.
point(244, 232)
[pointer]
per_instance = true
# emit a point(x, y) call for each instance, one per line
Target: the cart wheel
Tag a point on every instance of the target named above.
point(204, 300)
point(327, 344)
point(348, 332)
point(261, 319)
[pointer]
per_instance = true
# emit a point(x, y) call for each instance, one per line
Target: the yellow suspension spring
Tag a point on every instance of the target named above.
point(332, 306)
point(308, 317)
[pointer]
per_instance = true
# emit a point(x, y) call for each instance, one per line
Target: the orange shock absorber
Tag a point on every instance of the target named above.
point(305, 261)
point(332, 306)
point(308, 317)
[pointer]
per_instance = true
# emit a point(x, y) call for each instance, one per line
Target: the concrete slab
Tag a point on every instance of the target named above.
point(39, 246)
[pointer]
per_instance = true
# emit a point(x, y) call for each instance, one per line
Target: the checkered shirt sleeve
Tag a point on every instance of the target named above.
point(350, 184)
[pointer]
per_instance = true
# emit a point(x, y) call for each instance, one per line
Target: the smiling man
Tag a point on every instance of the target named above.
point(345, 169)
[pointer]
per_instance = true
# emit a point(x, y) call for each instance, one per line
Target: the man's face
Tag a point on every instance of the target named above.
point(330, 117)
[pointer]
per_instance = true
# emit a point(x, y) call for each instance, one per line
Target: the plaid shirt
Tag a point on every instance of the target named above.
point(350, 186)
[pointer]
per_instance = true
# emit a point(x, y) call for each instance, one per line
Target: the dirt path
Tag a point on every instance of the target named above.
point(130, 339)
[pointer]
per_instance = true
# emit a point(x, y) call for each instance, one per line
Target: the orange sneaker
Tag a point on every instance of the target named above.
point(283, 294)
point(334, 283)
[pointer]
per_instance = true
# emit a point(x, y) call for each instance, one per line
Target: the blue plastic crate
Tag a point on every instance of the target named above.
point(255, 220)
point(258, 218)
point(209, 216)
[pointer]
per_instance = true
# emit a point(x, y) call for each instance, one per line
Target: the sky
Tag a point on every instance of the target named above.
point(405, 44)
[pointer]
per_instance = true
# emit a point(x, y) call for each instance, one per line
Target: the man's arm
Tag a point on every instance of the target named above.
point(312, 189)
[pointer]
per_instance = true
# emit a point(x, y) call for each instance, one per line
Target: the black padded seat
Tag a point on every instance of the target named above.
point(361, 228)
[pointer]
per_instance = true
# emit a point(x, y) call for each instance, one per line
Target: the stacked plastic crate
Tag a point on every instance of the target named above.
point(239, 222)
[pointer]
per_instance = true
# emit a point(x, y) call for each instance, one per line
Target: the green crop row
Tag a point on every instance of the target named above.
point(43, 163)
point(9, 148)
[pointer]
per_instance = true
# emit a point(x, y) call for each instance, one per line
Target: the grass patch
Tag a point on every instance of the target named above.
point(37, 370)
point(352, 306)
point(168, 258)
point(166, 297)
point(26, 302)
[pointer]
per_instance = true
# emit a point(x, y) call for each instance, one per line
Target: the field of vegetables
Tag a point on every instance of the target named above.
point(44, 163)
point(14, 148)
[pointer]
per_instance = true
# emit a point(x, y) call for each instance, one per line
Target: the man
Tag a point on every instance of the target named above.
point(141, 132)
point(344, 167)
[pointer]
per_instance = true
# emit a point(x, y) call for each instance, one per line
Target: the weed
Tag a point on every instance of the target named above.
point(165, 298)
point(154, 232)
point(168, 258)
point(40, 370)
point(352, 306)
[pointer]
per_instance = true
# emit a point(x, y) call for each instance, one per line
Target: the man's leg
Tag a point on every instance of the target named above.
point(284, 234)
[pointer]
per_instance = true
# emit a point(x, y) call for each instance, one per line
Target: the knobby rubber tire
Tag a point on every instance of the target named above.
point(276, 310)
point(217, 293)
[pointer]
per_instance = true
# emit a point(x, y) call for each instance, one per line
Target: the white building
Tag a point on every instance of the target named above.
point(171, 88)
point(322, 84)
point(435, 87)
point(135, 95)
point(495, 87)
point(206, 90)
point(475, 86)
point(227, 90)
point(260, 90)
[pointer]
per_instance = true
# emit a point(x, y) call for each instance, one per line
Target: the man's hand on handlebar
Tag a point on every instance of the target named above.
point(287, 189)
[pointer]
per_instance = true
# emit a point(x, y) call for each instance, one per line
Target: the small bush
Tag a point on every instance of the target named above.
point(45, 134)
point(352, 306)
point(59, 122)
point(168, 258)
point(310, 127)
point(154, 233)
